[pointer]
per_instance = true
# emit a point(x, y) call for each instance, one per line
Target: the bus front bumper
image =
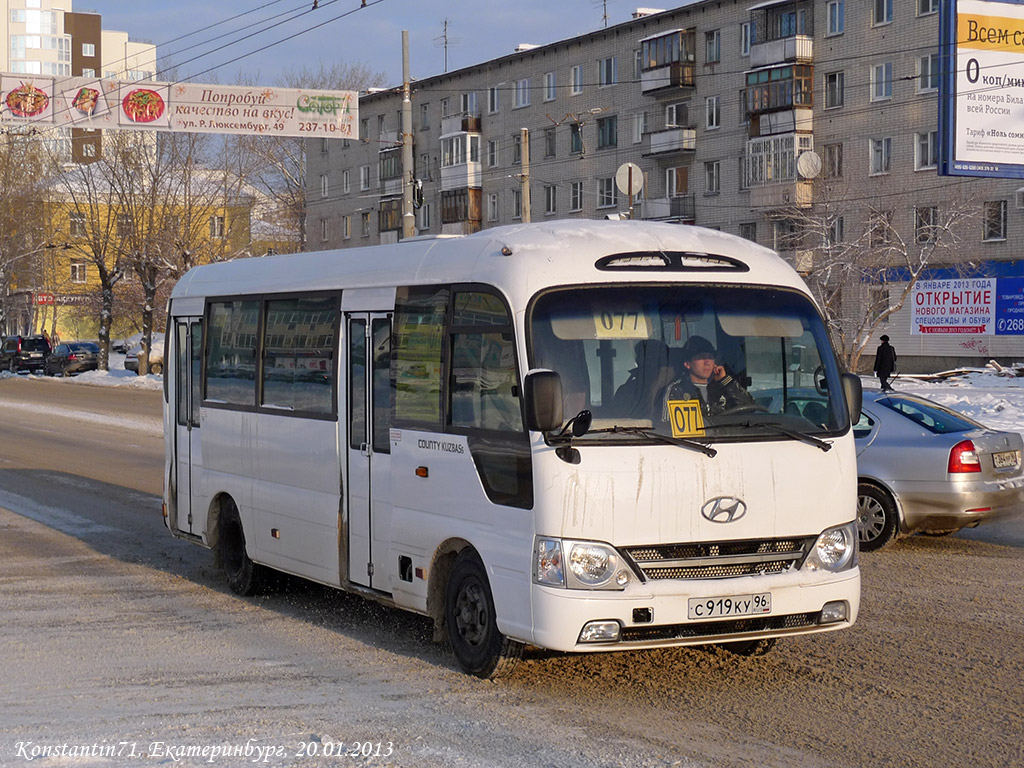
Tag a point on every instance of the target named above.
point(659, 614)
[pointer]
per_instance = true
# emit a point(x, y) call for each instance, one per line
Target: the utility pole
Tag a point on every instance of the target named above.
point(408, 217)
point(524, 138)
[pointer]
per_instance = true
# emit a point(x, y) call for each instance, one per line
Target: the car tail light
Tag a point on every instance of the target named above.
point(964, 458)
point(72, 356)
point(19, 346)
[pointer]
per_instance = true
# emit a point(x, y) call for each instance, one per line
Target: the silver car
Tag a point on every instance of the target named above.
point(923, 467)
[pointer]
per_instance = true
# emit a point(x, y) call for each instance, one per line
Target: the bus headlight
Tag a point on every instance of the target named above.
point(835, 550)
point(578, 565)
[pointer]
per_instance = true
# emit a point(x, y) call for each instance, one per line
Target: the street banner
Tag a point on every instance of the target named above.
point(91, 103)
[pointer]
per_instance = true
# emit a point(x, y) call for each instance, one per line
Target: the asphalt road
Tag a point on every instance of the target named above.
point(122, 644)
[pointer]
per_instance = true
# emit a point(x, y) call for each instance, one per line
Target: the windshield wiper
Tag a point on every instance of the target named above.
point(656, 437)
point(779, 429)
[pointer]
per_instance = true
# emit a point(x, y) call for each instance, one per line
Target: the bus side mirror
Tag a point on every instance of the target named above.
point(543, 390)
point(854, 395)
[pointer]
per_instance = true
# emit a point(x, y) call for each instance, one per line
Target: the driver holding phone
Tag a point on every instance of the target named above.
point(705, 380)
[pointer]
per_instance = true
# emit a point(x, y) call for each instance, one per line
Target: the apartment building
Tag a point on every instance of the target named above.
point(716, 102)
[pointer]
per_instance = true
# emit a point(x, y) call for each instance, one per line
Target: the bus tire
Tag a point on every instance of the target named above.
point(471, 622)
point(244, 576)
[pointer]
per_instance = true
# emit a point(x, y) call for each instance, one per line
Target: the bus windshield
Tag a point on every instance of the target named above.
point(704, 362)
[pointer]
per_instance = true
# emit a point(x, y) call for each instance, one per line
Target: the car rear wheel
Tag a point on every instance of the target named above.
point(877, 521)
point(156, 368)
point(244, 576)
point(471, 622)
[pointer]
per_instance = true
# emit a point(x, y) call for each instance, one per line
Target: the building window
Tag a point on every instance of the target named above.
point(77, 226)
point(836, 231)
point(748, 231)
point(880, 228)
point(607, 71)
point(712, 180)
point(345, 184)
point(324, 230)
point(677, 115)
point(346, 227)
point(89, 49)
point(424, 117)
point(389, 215)
point(467, 103)
point(833, 161)
point(745, 38)
point(927, 7)
point(881, 81)
point(638, 62)
point(125, 225)
point(364, 177)
point(882, 12)
point(608, 132)
point(576, 87)
point(493, 100)
point(216, 227)
point(522, 93)
point(79, 271)
point(927, 153)
point(575, 139)
point(928, 73)
point(639, 126)
point(995, 220)
point(364, 220)
point(517, 148)
point(606, 193)
point(492, 206)
point(576, 196)
point(324, 188)
point(549, 142)
point(549, 86)
point(88, 72)
point(835, 83)
point(836, 17)
point(881, 155)
point(926, 220)
point(713, 112)
point(492, 153)
point(713, 46)
point(517, 204)
point(677, 181)
point(445, 107)
point(424, 217)
point(550, 193)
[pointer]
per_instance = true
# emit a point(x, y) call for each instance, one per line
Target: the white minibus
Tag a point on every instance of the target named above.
point(577, 436)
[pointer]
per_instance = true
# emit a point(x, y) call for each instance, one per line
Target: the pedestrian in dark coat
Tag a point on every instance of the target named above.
point(885, 363)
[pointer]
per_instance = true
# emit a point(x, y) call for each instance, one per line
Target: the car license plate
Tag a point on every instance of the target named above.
point(733, 605)
point(1005, 459)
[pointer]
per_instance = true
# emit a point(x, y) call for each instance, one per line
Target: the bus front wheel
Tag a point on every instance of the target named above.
point(244, 576)
point(471, 622)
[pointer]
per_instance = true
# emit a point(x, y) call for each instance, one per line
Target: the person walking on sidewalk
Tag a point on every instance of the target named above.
point(885, 363)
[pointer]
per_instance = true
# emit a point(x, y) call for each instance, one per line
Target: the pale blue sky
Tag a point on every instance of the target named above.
point(478, 30)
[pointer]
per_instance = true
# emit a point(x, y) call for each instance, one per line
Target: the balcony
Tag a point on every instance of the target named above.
point(798, 120)
point(681, 208)
point(464, 122)
point(460, 176)
point(678, 74)
point(798, 49)
point(672, 140)
point(787, 194)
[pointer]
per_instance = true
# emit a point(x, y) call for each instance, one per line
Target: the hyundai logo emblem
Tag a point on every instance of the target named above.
point(724, 509)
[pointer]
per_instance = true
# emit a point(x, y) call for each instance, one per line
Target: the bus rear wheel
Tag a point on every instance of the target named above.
point(471, 622)
point(243, 575)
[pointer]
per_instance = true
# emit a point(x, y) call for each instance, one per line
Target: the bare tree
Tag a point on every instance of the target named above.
point(862, 264)
point(277, 165)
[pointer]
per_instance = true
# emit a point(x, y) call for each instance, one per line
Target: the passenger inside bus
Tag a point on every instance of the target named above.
point(642, 394)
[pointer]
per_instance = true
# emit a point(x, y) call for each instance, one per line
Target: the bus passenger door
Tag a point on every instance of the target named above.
point(369, 446)
point(188, 337)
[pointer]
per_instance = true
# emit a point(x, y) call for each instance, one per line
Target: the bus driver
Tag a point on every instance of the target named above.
point(705, 380)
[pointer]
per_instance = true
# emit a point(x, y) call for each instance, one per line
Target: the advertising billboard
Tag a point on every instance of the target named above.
point(979, 305)
point(76, 102)
point(981, 100)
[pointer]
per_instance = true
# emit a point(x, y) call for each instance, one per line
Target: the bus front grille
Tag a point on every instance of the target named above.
point(719, 560)
point(712, 629)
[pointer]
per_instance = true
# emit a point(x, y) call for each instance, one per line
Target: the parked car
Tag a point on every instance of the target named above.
point(923, 467)
point(73, 357)
point(156, 356)
point(24, 353)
